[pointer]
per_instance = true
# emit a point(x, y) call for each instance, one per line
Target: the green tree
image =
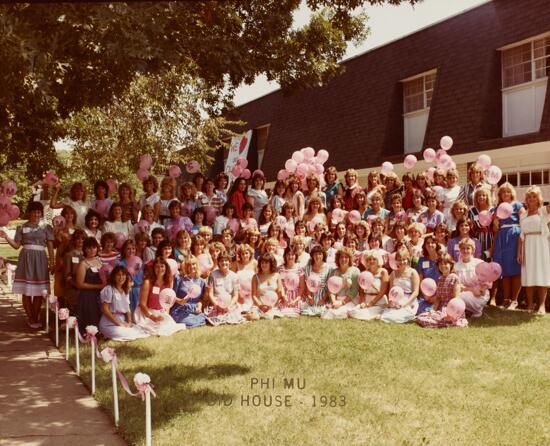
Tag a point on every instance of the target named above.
point(58, 58)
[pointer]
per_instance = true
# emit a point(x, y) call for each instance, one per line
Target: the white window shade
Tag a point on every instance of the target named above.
point(415, 130)
point(522, 108)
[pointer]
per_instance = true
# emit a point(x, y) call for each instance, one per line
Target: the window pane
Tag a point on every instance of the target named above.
point(542, 67)
point(512, 178)
point(413, 103)
point(536, 178)
point(524, 179)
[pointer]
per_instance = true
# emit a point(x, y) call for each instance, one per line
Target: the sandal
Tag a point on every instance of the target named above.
point(513, 305)
point(541, 311)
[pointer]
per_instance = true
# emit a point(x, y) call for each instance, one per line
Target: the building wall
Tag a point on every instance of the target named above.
point(358, 116)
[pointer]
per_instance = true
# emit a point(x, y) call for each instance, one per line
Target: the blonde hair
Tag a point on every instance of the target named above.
point(476, 168)
point(487, 192)
point(535, 190)
point(416, 226)
point(453, 172)
point(506, 186)
point(343, 252)
point(467, 242)
point(242, 249)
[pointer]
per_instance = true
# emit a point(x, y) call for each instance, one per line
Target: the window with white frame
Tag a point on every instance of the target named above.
point(261, 143)
point(417, 98)
point(523, 179)
point(525, 71)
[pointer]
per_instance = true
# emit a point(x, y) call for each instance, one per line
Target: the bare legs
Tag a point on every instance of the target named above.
point(32, 306)
point(541, 295)
point(511, 287)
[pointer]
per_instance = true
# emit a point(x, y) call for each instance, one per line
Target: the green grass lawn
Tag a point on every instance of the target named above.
point(488, 384)
point(7, 252)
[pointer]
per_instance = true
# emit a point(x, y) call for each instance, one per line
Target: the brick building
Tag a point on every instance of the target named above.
point(480, 77)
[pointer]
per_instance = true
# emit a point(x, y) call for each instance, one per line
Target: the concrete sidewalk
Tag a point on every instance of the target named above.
point(42, 401)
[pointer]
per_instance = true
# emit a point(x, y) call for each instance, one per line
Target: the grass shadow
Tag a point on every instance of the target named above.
point(496, 317)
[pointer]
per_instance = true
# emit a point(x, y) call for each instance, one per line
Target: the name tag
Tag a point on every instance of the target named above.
point(156, 290)
point(94, 269)
point(76, 260)
point(457, 248)
point(424, 219)
point(425, 264)
point(180, 257)
point(26, 230)
point(487, 254)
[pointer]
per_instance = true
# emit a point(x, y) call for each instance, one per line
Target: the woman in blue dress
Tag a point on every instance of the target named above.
point(188, 309)
point(427, 269)
point(129, 250)
point(506, 245)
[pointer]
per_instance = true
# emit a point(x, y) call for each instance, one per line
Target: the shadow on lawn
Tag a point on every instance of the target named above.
point(496, 317)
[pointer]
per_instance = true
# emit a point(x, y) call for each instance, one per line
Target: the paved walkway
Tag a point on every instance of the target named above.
point(42, 401)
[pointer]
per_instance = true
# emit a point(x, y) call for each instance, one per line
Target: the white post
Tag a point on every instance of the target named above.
point(148, 439)
point(56, 324)
point(92, 350)
point(45, 294)
point(77, 349)
point(115, 392)
point(67, 339)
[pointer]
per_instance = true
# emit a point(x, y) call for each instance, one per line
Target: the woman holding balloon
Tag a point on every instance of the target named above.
point(506, 224)
point(481, 218)
point(343, 286)
point(155, 299)
point(533, 251)
point(374, 287)
point(474, 287)
point(267, 287)
point(316, 275)
point(189, 288)
point(31, 276)
point(292, 274)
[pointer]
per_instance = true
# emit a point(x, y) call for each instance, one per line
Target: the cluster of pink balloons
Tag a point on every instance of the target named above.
point(145, 162)
point(192, 166)
point(304, 162)
point(50, 178)
point(488, 272)
point(240, 168)
point(441, 158)
point(8, 210)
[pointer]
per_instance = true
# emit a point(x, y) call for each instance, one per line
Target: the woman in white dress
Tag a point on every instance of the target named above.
point(374, 297)
point(116, 321)
point(474, 293)
point(533, 250)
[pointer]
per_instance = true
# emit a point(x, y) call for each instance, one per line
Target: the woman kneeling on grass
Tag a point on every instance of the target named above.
point(407, 279)
point(150, 315)
point(267, 287)
point(374, 297)
point(474, 293)
point(348, 297)
point(116, 321)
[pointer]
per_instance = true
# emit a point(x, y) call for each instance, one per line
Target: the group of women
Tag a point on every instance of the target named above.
point(200, 252)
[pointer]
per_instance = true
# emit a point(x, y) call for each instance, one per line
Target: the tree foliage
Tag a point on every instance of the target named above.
point(59, 58)
point(172, 117)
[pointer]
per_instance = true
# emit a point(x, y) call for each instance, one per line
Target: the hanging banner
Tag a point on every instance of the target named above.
point(238, 148)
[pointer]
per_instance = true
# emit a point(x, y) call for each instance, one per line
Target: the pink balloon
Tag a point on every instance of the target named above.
point(366, 279)
point(430, 173)
point(193, 291)
point(308, 152)
point(174, 171)
point(354, 217)
point(298, 157)
point(313, 284)
point(339, 214)
point(134, 264)
point(291, 281)
point(504, 211)
point(167, 297)
point(173, 266)
point(483, 272)
point(387, 168)
point(105, 272)
point(495, 271)
point(429, 155)
point(246, 174)
point(269, 298)
point(493, 175)
point(322, 156)
point(428, 287)
point(241, 161)
point(282, 175)
point(236, 170)
point(234, 225)
point(444, 161)
point(484, 161)
point(205, 263)
point(143, 226)
point(142, 174)
point(111, 183)
point(10, 188)
point(335, 284)
point(59, 222)
point(455, 308)
point(13, 212)
point(192, 166)
point(410, 161)
point(485, 218)
point(446, 142)
point(145, 162)
point(396, 294)
point(392, 262)
point(291, 165)
point(283, 244)
point(50, 179)
point(318, 169)
point(258, 172)
point(120, 239)
point(302, 169)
